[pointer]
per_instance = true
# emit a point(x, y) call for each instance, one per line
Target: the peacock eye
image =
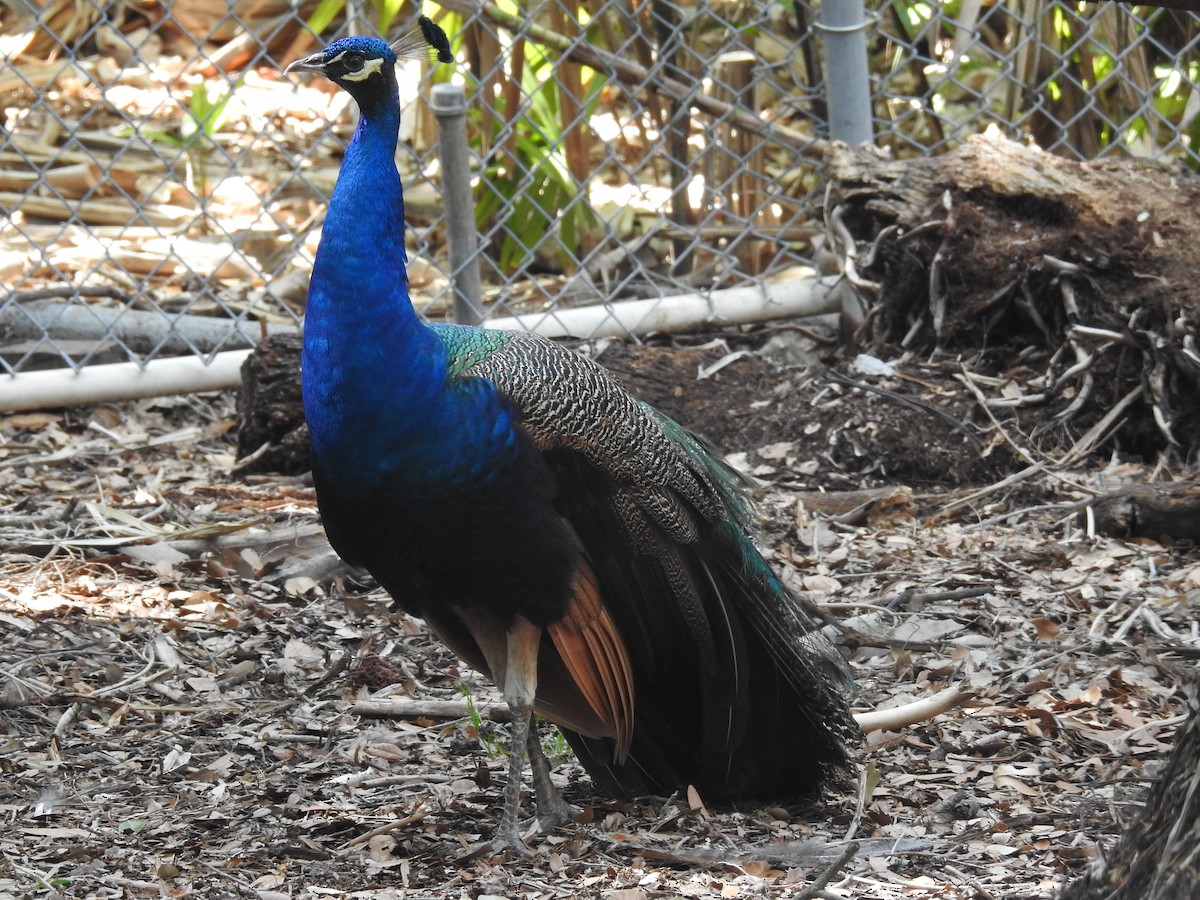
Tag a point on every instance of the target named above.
point(353, 62)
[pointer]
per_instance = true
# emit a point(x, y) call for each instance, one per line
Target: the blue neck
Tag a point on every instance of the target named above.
point(371, 371)
point(360, 272)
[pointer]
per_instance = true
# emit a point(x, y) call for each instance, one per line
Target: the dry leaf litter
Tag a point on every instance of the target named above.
point(192, 686)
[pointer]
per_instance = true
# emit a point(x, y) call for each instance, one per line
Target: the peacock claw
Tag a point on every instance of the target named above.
point(552, 809)
point(508, 840)
point(547, 819)
point(552, 814)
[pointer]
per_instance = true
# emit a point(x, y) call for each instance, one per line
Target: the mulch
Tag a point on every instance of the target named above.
point(183, 703)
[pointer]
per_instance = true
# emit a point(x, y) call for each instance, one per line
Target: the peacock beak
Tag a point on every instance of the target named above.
point(314, 63)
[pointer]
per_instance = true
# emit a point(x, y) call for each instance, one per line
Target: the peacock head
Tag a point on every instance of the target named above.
point(364, 66)
point(360, 65)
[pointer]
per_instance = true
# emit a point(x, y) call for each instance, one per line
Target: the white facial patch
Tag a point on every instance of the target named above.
point(370, 67)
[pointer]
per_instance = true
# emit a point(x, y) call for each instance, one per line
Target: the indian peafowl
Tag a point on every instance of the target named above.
point(588, 553)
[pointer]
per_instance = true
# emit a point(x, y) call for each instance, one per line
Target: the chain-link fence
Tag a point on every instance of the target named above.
point(163, 184)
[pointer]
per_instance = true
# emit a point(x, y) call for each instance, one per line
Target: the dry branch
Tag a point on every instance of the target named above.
point(877, 720)
point(141, 331)
point(897, 717)
point(404, 708)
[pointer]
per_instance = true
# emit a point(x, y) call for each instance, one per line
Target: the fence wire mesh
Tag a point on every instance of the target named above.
point(163, 185)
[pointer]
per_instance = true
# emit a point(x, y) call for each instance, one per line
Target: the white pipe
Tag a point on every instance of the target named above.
point(684, 312)
point(120, 381)
point(187, 374)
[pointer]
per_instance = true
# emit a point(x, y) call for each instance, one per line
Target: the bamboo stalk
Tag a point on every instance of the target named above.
point(512, 103)
point(39, 75)
point(73, 181)
point(570, 103)
point(483, 54)
point(569, 76)
point(632, 73)
point(735, 153)
point(95, 212)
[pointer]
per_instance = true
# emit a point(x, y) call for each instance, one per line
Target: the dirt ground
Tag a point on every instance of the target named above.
point(183, 700)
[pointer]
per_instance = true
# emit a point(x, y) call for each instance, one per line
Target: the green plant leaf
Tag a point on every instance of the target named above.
point(388, 10)
point(324, 14)
point(206, 115)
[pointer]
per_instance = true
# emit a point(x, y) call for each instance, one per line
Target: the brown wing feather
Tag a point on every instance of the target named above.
point(592, 651)
point(585, 681)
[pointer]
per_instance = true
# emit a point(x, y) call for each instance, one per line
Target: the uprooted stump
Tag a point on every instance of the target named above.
point(272, 435)
point(1158, 855)
point(1162, 511)
point(1068, 289)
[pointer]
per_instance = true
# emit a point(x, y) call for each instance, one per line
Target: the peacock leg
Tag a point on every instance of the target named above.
point(520, 685)
point(552, 809)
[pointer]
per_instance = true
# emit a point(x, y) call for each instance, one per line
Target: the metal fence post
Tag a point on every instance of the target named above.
point(449, 103)
point(847, 79)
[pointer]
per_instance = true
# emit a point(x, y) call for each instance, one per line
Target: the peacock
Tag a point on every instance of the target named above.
point(587, 553)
